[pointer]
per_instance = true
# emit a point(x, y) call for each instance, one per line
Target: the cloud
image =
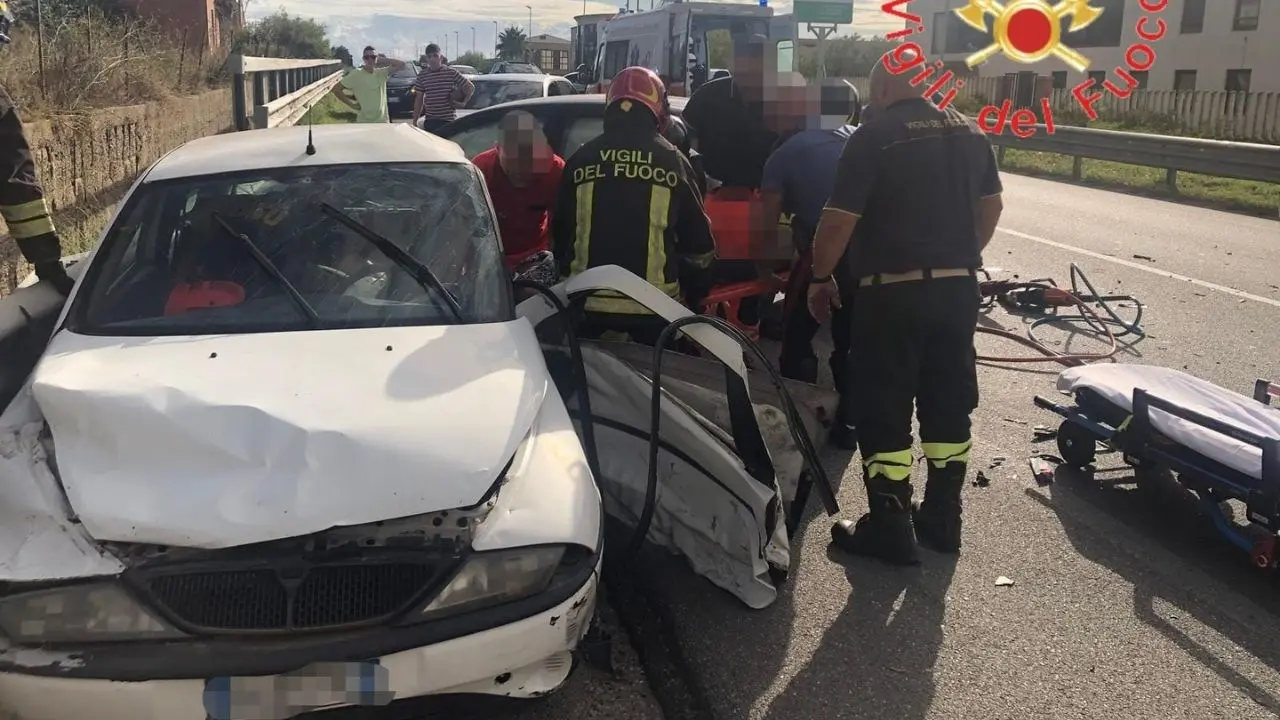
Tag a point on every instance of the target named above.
point(403, 27)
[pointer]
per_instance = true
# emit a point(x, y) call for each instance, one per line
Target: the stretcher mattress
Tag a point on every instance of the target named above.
point(1116, 383)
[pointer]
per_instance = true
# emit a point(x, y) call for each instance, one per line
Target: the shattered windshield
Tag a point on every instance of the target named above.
point(299, 248)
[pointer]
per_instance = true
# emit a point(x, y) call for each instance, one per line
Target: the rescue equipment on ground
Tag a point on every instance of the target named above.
point(1044, 297)
point(1221, 446)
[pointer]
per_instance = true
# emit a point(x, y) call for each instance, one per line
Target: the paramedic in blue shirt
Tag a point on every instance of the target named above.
point(796, 183)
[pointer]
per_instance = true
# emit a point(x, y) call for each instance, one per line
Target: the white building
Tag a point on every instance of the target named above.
point(1208, 45)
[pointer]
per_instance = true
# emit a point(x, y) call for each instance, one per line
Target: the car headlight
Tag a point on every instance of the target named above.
point(80, 613)
point(492, 578)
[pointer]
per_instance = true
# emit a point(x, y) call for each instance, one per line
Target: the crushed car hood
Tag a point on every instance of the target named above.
point(218, 441)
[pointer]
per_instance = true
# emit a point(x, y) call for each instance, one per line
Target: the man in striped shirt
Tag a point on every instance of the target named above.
point(439, 91)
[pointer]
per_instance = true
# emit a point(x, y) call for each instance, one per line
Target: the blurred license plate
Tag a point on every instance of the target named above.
point(277, 697)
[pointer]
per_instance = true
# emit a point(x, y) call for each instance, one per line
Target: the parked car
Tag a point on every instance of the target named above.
point(400, 90)
point(465, 69)
point(569, 122)
point(301, 437)
point(507, 67)
point(494, 90)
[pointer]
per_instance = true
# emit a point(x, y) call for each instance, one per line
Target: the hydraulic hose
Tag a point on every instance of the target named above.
point(798, 431)
point(1081, 298)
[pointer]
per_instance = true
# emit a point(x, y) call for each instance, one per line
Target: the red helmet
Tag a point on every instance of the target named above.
point(641, 85)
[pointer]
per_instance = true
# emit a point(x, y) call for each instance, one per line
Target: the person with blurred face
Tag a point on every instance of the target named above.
point(523, 175)
point(365, 88)
point(798, 180)
point(728, 117)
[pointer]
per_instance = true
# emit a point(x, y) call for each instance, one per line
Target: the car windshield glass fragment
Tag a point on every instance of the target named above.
point(175, 263)
point(495, 92)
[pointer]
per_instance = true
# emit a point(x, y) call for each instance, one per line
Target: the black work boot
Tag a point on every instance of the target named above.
point(937, 519)
point(885, 532)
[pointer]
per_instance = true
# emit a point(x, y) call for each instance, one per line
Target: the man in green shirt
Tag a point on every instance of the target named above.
point(365, 88)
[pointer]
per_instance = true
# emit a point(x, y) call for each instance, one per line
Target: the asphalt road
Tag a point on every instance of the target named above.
point(1119, 608)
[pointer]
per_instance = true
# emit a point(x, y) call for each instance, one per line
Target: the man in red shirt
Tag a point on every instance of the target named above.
point(523, 175)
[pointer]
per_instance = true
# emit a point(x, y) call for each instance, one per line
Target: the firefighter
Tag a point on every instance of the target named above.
point(628, 198)
point(797, 182)
point(917, 305)
point(22, 202)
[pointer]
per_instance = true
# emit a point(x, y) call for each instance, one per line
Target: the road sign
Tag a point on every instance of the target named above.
point(829, 12)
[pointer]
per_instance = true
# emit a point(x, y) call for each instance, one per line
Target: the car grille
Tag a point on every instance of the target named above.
point(319, 597)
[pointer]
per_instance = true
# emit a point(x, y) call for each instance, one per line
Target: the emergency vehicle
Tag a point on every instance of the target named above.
point(671, 39)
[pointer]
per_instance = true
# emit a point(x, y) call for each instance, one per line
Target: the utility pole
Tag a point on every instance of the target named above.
point(473, 38)
point(457, 44)
point(495, 38)
point(530, 8)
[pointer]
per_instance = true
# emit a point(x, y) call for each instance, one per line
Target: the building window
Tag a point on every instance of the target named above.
point(1184, 80)
point(1193, 17)
point(562, 59)
point(1247, 14)
point(1238, 80)
point(1060, 80)
point(1097, 76)
point(1106, 31)
point(1141, 77)
point(544, 60)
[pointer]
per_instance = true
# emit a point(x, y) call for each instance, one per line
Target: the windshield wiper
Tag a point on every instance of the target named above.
point(422, 274)
point(312, 317)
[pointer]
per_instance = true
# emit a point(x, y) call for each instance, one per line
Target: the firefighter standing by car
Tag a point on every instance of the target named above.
point(917, 305)
point(797, 182)
point(628, 198)
point(22, 201)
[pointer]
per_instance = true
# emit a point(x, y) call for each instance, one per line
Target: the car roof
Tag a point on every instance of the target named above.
point(529, 77)
point(677, 103)
point(341, 144)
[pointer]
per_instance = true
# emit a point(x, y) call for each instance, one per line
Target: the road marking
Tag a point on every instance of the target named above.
point(1145, 268)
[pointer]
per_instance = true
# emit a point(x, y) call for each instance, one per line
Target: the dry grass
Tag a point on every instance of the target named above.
point(92, 62)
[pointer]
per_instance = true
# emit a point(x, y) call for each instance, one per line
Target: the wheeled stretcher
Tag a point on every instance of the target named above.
point(1220, 444)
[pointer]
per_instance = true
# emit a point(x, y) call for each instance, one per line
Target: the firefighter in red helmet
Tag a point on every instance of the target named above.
point(629, 198)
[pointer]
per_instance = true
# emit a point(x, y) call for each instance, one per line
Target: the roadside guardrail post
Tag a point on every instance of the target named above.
point(275, 92)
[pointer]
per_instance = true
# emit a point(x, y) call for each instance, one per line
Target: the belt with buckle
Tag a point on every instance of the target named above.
point(912, 275)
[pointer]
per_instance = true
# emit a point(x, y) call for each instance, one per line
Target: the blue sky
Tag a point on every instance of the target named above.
point(403, 27)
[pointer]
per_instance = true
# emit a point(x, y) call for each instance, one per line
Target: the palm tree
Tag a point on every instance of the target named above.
point(511, 43)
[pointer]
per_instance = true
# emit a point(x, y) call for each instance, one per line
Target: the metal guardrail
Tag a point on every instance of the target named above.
point(275, 92)
point(1219, 158)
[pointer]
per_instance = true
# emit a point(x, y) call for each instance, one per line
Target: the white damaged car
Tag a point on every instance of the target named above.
point(290, 416)
point(291, 444)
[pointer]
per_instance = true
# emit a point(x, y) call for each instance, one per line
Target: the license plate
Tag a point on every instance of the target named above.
point(277, 697)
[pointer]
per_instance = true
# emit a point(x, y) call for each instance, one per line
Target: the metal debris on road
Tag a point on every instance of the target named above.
point(1040, 433)
point(1148, 258)
point(1003, 581)
point(981, 480)
point(1043, 467)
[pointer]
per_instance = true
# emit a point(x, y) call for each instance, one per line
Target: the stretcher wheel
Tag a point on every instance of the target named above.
point(1264, 554)
point(1077, 446)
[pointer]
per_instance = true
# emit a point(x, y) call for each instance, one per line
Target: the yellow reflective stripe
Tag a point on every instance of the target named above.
point(702, 261)
point(31, 228)
point(24, 211)
point(604, 301)
point(585, 200)
point(893, 465)
point(659, 209)
point(940, 454)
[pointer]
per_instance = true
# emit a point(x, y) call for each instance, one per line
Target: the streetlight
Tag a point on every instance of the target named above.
point(495, 38)
point(473, 38)
point(530, 8)
point(457, 44)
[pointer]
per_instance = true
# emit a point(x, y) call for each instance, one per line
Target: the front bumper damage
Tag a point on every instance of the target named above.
point(521, 650)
